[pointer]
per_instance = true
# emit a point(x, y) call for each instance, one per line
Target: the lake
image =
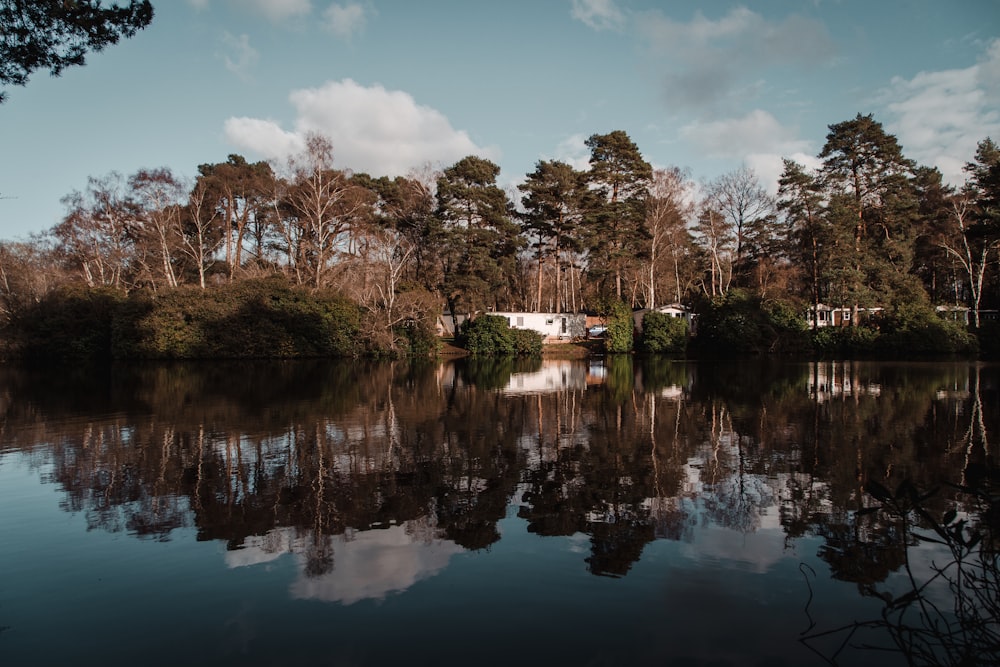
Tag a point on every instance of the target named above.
point(612, 511)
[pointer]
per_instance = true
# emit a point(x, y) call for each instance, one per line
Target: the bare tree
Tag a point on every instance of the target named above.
point(28, 270)
point(668, 208)
point(715, 236)
point(973, 254)
point(320, 199)
point(200, 230)
point(98, 232)
point(158, 194)
point(744, 203)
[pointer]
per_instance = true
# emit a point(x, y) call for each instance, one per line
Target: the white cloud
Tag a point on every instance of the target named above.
point(598, 14)
point(379, 131)
point(344, 20)
point(262, 136)
point(756, 132)
point(939, 117)
point(707, 60)
point(756, 139)
point(279, 10)
point(573, 151)
point(241, 56)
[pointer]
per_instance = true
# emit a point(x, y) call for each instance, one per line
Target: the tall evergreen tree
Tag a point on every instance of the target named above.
point(478, 240)
point(865, 171)
point(621, 176)
point(555, 200)
point(800, 198)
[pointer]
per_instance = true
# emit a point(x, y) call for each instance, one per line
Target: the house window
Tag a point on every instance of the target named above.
point(520, 321)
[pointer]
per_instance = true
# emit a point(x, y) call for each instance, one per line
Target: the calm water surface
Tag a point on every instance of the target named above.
point(611, 512)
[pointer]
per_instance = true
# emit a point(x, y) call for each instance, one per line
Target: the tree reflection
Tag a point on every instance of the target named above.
point(312, 454)
point(947, 610)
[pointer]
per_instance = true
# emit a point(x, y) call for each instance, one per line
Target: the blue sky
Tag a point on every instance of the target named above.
point(403, 85)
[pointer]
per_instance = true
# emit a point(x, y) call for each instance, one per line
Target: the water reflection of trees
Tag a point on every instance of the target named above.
point(643, 450)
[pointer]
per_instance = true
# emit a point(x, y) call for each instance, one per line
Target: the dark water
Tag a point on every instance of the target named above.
point(603, 513)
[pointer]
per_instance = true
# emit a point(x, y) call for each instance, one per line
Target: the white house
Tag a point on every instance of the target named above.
point(673, 310)
point(552, 326)
point(840, 316)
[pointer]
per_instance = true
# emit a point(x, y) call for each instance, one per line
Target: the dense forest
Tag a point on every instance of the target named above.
point(360, 263)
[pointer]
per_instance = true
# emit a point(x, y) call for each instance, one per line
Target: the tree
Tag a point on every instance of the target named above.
point(556, 198)
point(745, 206)
point(242, 193)
point(667, 211)
point(158, 195)
point(28, 271)
point(56, 34)
point(800, 198)
point(323, 202)
point(715, 237)
point(865, 171)
point(970, 247)
point(98, 233)
point(621, 176)
point(200, 230)
point(478, 240)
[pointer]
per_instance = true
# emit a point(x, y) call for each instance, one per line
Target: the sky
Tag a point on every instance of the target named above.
point(401, 87)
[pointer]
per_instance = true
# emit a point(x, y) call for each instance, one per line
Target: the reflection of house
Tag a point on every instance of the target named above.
point(829, 316)
point(553, 376)
point(553, 326)
point(838, 379)
point(672, 310)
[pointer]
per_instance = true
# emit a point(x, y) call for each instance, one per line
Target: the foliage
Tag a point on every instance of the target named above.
point(621, 176)
point(486, 335)
point(662, 333)
point(421, 338)
point(740, 323)
point(527, 342)
point(68, 324)
point(475, 236)
point(844, 341)
point(491, 373)
point(618, 338)
point(248, 319)
point(492, 336)
point(55, 34)
point(914, 329)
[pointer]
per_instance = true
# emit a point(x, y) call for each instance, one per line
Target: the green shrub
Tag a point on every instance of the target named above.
point(527, 343)
point(662, 334)
point(915, 329)
point(619, 336)
point(492, 336)
point(739, 323)
point(844, 341)
point(68, 324)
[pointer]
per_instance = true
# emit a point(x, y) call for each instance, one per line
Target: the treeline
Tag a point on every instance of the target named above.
point(868, 229)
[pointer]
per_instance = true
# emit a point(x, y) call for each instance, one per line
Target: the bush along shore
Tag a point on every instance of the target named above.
point(270, 318)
